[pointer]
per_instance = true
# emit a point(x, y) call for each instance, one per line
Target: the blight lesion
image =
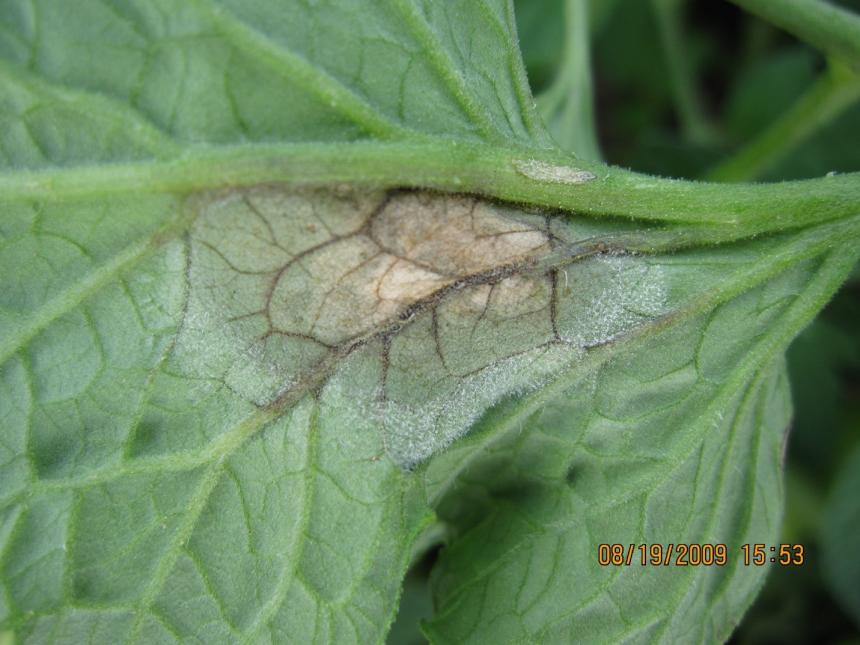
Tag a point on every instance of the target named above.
point(400, 250)
point(335, 267)
point(455, 299)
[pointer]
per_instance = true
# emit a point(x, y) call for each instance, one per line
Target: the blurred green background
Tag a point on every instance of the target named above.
point(679, 86)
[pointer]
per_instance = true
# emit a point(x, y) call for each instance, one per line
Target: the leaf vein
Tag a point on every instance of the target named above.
point(296, 69)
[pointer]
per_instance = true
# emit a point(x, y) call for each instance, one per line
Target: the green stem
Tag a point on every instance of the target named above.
point(688, 104)
point(821, 24)
point(835, 91)
point(536, 177)
point(568, 106)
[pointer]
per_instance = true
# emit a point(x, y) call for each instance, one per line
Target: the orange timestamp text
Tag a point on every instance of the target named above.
point(695, 554)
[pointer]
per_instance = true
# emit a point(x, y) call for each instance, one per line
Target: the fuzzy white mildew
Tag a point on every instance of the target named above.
point(606, 296)
point(414, 432)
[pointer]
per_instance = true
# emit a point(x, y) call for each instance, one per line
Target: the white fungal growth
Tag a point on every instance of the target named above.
point(542, 171)
point(606, 296)
point(415, 431)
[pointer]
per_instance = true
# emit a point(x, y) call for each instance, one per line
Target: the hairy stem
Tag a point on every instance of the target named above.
point(536, 177)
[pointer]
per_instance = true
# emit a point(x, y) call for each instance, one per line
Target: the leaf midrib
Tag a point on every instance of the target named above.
point(710, 213)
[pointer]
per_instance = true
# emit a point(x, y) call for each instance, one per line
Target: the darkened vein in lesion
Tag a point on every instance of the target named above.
point(484, 310)
point(297, 258)
point(434, 330)
point(552, 276)
point(214, 249)
point(265, 221)
point(312, 378)
point(339, 282)
point(298, 336)
point(387, 333)
point(381, 279)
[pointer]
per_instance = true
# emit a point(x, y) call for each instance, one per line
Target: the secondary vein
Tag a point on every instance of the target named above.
point(297, 70)
point(446, 69)
point(91, 283)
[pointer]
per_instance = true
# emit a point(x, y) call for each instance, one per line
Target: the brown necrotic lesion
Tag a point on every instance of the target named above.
point(284, 284)
point(407, 248)
point(335, 267)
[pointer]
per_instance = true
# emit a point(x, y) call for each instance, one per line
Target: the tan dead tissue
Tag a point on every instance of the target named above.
point(338, 265)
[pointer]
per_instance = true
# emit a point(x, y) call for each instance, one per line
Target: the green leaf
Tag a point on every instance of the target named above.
point(244, 348)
